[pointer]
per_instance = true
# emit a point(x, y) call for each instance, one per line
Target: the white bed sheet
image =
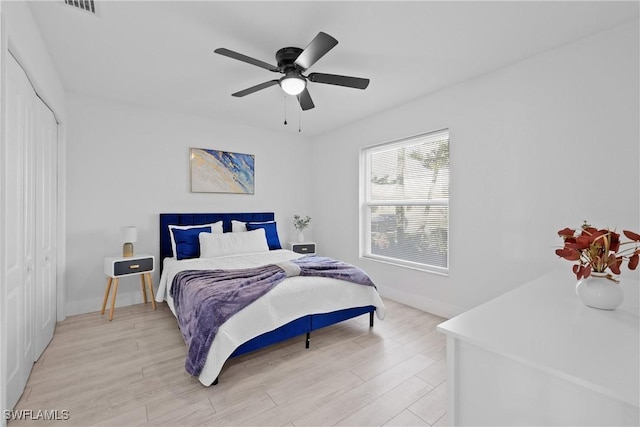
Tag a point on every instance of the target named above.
point(293, 298)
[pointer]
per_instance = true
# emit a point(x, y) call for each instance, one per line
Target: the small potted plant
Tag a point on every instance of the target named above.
point(597, 254)
point(300, 224)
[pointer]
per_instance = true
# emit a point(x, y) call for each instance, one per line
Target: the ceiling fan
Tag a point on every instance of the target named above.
point(292, 62)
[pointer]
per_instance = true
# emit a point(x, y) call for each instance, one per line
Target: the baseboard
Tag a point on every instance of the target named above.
point(90, 305)
point(421, 303)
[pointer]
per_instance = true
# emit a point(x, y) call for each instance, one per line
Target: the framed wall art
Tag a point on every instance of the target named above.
point(215, 171)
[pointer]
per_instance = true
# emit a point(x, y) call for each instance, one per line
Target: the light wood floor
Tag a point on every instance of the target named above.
point(130, 372)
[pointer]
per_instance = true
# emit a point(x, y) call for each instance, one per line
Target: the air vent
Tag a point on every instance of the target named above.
point(86, 5)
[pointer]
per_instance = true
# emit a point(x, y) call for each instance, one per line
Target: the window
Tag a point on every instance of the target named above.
point(405, 211)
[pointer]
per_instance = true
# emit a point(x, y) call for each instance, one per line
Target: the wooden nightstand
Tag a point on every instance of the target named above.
point(308, 248)
point(117, 267)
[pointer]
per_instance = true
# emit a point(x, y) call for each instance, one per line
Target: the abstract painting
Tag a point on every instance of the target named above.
point(215, 171)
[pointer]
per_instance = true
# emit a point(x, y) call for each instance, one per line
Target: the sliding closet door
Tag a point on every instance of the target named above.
point(17, 249)
point(29, 247)
point(46, 173)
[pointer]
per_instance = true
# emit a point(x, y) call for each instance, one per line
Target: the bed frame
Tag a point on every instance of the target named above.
point(304, 325)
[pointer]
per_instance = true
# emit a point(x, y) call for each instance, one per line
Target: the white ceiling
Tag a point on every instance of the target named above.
point(160, 53)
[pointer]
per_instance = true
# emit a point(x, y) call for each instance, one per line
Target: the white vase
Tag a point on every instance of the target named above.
point(599, 292)
point(300, 237)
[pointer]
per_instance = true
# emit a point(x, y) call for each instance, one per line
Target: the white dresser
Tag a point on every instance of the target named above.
point(538, 356)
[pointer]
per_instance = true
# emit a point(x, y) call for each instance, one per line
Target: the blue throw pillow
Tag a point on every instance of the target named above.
point(270, 229)
point(187, 242)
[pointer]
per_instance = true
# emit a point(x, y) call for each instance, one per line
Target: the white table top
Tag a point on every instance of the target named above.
point(543, 324)
point(129, 258)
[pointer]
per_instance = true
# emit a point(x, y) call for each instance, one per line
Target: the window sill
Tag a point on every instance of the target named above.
point(406, 264)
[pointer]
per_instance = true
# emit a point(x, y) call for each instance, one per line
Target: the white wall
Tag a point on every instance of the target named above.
point(125, 165)
point(535, 147)
point(26, 44)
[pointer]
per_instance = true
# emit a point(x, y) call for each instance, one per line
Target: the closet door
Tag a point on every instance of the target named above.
point(17, 250)
point(46, 184)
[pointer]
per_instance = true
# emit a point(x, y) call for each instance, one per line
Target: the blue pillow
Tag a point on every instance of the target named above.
point(187, 242)
point(270, 229)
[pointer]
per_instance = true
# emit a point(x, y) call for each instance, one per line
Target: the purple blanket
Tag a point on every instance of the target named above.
point(205, 299)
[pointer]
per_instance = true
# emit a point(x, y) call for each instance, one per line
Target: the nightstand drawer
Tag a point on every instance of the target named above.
point(133, 266)
point(117, 267)
point(304, 248)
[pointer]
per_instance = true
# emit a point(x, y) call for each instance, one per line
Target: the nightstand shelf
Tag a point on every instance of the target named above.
point(307, 248)
point(117, 267)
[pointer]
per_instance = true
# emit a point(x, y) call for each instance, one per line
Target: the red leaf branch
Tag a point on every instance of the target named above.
point(598, 250)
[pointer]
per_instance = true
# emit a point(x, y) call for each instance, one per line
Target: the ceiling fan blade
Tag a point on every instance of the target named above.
point(319, 46)
point(333, 79)
point(245, 58)
point(255, 88)
point(305, 100)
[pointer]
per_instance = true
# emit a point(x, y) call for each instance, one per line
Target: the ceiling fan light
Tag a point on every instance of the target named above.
point(293, 84)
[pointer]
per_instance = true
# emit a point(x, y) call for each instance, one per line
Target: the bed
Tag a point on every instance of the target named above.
point(296, 306)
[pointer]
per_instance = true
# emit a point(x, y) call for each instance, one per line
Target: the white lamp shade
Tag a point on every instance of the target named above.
point(293, 84)
point(130, 234)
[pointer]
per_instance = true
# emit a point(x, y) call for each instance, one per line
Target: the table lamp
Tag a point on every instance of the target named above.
point(130, 235)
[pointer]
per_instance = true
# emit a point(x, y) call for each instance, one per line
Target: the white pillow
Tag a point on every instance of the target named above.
point(217, 245)
point(237, 226)
point(216, 227)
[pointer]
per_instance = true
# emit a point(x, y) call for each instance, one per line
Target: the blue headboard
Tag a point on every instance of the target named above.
point(167, 219)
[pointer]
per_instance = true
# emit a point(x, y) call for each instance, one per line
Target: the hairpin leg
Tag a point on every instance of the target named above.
point(308, 339)
point(371, 319)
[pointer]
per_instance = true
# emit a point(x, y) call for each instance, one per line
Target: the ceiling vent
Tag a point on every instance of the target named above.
point(86, 5)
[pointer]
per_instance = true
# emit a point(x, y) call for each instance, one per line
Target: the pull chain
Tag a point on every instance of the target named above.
point(285, 109)
point(299, 120)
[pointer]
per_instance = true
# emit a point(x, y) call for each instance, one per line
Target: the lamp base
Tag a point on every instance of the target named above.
point(127, 250)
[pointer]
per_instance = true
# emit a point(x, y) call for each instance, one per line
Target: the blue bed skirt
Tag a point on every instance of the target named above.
point(300, 326)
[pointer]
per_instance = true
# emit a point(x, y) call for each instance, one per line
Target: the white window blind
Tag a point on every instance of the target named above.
point(405, 213)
